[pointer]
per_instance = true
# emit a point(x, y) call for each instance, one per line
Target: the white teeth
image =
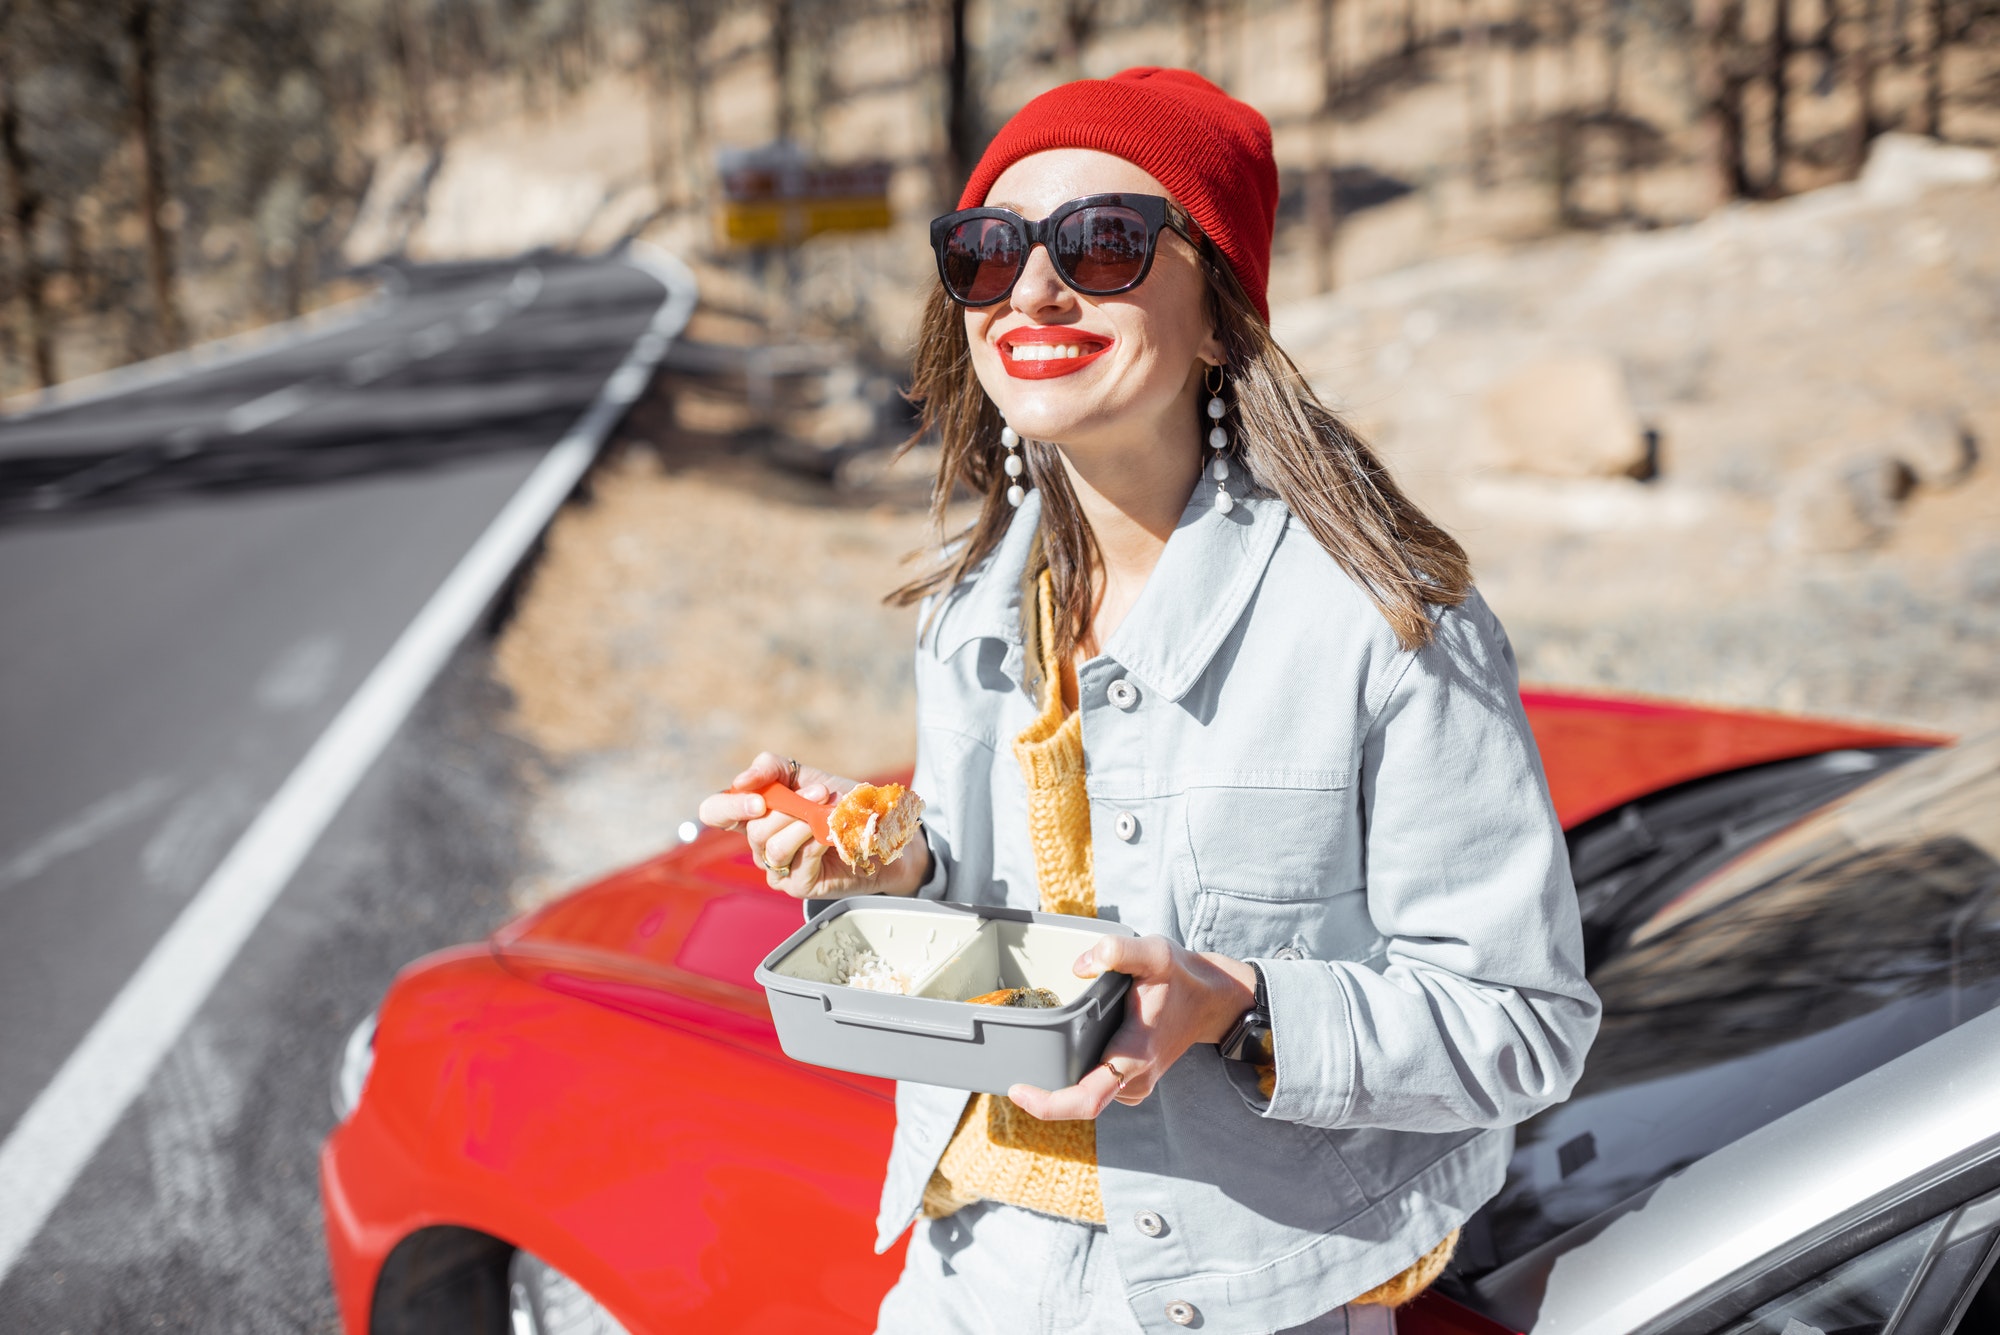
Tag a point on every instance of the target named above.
point(1044, 352)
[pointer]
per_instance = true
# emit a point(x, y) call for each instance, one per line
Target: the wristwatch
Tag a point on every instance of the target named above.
point(1250, 1039)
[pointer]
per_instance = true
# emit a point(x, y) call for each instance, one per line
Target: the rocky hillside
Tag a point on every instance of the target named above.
point(1810, 391)
point(1405, 130)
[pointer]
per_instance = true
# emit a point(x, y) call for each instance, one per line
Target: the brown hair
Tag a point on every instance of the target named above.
point(1292, 446)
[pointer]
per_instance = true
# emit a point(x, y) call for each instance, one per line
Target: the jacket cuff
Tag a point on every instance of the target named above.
point(1312, 1036)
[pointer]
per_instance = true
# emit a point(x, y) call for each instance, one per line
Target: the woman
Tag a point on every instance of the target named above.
point(1199, 665)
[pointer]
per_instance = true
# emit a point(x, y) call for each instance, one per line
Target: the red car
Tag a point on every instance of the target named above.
point(586, 1124)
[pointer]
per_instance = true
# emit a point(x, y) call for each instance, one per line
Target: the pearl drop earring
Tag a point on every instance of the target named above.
point(1218, 440)
point(1011, 438)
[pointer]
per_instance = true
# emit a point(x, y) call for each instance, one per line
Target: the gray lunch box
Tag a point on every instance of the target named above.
point(947, 952)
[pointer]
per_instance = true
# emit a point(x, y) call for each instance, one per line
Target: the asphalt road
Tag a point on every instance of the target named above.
point(194, 577)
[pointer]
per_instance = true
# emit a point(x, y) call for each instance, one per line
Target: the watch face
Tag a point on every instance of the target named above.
point(1231, 1046)
point(1249, 1040)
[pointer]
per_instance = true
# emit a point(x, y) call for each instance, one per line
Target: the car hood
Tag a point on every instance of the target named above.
point(1604, 750)
point(694, 921)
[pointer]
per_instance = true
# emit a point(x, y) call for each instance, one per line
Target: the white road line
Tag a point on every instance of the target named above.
point(483, 317)
point(89, 825)
point(436, 339)
point(372, 366)
point(70, 1118)
point(273, 407)
point(527, 285)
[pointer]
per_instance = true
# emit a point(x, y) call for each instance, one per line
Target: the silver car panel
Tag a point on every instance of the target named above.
point(1777, 1192)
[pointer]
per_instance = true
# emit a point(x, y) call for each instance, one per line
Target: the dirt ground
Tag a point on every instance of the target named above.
point(1821, 532)
point(683, 620)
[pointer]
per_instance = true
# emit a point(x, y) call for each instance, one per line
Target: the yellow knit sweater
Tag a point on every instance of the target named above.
point(998, 1152)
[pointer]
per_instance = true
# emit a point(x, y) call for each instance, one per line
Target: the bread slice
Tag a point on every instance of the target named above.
point(872, 825)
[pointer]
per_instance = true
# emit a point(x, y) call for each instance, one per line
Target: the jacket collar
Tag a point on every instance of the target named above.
point(1206, 576)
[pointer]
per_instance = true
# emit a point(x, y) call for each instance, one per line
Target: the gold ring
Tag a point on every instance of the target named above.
point(1116, 1074)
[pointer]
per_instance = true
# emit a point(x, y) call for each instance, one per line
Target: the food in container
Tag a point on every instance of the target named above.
point(854, 964)
point(1032, 998)
point(992, 999)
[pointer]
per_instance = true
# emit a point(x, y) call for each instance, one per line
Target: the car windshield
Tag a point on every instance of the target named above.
point(1745, 991)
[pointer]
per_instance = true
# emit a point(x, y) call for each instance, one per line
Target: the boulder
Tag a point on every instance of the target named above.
point(1901, 167)
point(1842, 506)
point(1566, 416)
point(1939, 450)
point(485, 203)
point(393, 205)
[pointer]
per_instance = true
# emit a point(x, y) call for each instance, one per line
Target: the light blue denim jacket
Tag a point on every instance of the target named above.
point(1285, 784)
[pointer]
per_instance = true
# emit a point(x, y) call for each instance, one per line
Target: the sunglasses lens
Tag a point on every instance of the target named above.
point(982, 257)
point(1101, 249)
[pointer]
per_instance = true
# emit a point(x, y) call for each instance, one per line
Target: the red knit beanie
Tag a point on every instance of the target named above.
point(1211, 152)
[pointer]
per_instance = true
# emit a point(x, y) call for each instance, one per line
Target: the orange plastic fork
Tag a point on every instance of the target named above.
point(778, 797)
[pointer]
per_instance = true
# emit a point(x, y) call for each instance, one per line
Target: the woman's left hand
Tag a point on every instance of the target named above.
point(1179, 998)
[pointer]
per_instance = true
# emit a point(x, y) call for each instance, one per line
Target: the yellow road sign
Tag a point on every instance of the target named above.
point(774, 196)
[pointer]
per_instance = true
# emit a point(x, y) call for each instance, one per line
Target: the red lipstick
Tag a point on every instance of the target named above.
point(1058, 340)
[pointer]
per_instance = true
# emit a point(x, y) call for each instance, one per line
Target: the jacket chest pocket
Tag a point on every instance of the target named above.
point(1277, 870)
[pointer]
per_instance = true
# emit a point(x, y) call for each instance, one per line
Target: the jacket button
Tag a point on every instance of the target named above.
point(1181, 1312)
point(1149, 1223)
point(1127, 826)
point(1122, 693)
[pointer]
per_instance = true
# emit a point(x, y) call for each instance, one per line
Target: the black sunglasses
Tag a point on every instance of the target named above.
point(1099, 245)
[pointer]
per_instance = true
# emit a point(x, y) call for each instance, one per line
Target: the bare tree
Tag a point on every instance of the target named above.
point(1326, 45)
point(1520, 72)
point(1322, 205)
point(1930, 119)
point(654, 37)
point(1475, 32)
point(1568, 25)
point(961, 105)
point(409, 56)
point(1077, 25)
point(1723, 79)
point(1194, 36)
point(679, 39)
point(76, 256)
point(783, 59)
point(23, 201)
point(1862, 59)
point(1615, 22)
point(143, 39)
point(1778, 65)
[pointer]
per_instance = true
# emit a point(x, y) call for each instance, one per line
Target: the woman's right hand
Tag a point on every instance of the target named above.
point(793, 860)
